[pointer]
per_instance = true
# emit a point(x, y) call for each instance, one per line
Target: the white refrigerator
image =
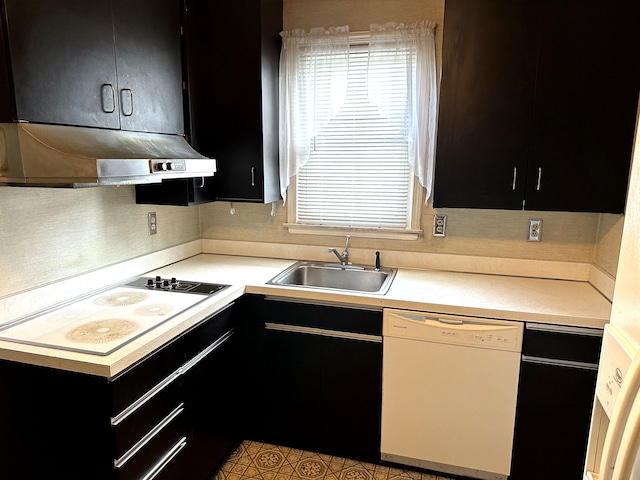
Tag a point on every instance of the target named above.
point(614, 441)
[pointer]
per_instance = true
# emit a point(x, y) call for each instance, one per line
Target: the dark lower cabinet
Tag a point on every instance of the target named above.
point(351, 399)
point(555, 401)
point(170, 416)
point(293, 371)
point(211, 397)
point(321, 370)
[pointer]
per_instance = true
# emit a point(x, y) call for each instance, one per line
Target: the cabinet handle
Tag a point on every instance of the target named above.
point(166, 460)
point(515, 176)
point(127, 412)
point(539, 179)
point(126, 102)
point(322, 332)
point(149, 436)
point(108, 98)
point(205, 353)
point(560, 363)
point(292, 328)
point(253, 176)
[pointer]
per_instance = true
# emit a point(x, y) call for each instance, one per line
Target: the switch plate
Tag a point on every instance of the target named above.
point(439, 225)
point(152, 223)
point(535, 231)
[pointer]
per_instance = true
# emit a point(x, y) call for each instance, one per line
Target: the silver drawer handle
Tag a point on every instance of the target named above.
point(539, 179)
point(560, 363)
point(122, 416)
point(253, 176)
point(140, 444)
point(166, 460)
point(323, 332)
point(515, 176)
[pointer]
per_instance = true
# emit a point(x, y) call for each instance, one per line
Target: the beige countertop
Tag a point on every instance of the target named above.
point(560, 302)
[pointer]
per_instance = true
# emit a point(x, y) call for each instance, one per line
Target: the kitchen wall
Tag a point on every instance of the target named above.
point(48, 234)
point(574, 237)
point(51, 234)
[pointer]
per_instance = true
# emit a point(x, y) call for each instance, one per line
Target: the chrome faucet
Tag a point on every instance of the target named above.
point(344, 258)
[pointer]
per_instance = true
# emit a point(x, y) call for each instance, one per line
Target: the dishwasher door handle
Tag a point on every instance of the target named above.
point(450, 321)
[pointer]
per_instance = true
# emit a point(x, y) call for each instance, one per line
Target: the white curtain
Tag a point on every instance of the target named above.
point(408, 50)
point(304, 109)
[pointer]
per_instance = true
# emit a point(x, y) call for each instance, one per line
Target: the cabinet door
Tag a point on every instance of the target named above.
point(293, 388)
point(486, 99)
point(212, 396)
point(585, 108)
point(552, 421)
point(232, 89)
point(352, 397)
point(147, 34)
point(63, 61)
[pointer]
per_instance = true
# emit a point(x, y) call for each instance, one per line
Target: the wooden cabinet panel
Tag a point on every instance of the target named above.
point(148, 59)
point(537, 106)
point(321, 369)
point(106, 63)
point(586, 104)
point(555, 400)
point(62, 58)
point(233, 97)
point(486, 102)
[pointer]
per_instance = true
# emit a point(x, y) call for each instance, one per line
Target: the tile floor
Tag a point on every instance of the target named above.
point(262, 461)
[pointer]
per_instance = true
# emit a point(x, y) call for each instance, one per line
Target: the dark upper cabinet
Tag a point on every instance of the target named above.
point(538, 104)
point(232, 72)
point(107, 64)
point(486, 102)
point(149, 64)
point(585, 108)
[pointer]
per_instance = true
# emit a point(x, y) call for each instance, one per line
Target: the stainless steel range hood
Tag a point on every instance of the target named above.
point(63, 156)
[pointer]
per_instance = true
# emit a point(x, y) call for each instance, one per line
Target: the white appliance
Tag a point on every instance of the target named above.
point(614, 440)
point(449, 389)
point(102, 322)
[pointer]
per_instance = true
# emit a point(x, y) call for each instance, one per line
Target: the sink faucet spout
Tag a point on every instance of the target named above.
point(344, 257)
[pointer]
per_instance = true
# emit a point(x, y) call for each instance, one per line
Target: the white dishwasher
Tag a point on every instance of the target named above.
point(449, 388)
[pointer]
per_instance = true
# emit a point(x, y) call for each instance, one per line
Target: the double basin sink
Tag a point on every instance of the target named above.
point(335, 276)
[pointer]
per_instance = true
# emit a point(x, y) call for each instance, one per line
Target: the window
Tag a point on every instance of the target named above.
point(350, 114)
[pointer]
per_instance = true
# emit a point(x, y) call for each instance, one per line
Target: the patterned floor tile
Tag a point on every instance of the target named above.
point(261, 461)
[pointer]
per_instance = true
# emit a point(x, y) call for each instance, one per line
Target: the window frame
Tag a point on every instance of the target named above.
point(412, 232)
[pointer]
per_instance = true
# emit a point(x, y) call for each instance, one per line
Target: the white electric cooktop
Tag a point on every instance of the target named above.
point(100, 324)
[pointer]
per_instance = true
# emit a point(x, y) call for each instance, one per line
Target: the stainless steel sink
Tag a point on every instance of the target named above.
point(334, 276)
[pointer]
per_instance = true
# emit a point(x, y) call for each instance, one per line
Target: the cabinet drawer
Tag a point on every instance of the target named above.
point(572, 344)
point(130, 429)
point(153, 369)
point(325, 317)
point(158, 450)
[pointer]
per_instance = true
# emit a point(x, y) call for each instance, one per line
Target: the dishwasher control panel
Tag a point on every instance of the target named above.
point(454, 329)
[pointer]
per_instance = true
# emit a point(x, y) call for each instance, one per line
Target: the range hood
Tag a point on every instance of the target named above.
point(63, 156)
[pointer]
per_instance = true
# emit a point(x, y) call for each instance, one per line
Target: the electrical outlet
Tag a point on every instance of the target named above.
point(152, 222)
point(535, 230)
point(439, 225)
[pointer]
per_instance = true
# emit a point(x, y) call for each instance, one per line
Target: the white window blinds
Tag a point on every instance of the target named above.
point(352, 130)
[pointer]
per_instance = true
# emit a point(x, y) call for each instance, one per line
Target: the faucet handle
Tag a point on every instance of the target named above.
point(346, 247)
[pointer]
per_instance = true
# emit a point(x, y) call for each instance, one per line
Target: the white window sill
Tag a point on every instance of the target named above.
point(391, 234)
